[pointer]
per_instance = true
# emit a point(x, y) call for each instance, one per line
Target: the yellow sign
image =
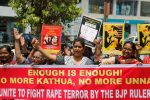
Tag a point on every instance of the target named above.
point(113, 38)
point(144, 38)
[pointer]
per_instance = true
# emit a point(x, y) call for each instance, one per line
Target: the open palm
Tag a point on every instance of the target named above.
point(16, 34)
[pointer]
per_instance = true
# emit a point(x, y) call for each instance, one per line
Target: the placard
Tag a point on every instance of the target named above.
point(113, 38)
point(89, 29)
point(144, 38)
point(51, 38)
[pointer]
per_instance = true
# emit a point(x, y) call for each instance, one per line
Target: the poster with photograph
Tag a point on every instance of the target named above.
point(51, 38)
point(144, 38)
point(89, 29)
point(113, 38)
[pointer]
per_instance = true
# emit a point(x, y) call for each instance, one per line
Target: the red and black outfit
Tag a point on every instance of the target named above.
point(119, 59)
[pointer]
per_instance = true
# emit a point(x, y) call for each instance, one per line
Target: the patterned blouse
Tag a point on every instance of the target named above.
point(69, 60)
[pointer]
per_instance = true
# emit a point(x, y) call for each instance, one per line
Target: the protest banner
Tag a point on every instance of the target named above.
point(113, 37)
point(89, 29)
point(144, 38)
point(115, 82)
point(51, 38)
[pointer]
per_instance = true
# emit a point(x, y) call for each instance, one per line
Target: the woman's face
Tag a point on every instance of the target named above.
point(5, 55)
point(78, 49)
point(54, 40)
point(37, 58)
point(127, 50)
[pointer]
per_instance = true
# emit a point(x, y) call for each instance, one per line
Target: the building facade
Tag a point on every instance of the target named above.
point(130, 12)
point(7, 20)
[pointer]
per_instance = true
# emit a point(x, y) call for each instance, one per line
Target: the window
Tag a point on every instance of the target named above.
point(97, 6)
point(145, 8)
point(127, 30)
point(126, 7)
point(4, 2)
point(3, 24)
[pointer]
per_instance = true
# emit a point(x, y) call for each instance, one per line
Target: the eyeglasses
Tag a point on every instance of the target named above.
point(128, 49)
point(34, 57)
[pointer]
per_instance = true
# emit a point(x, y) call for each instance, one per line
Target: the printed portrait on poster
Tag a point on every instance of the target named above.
point(50, 40)
point(54, 40)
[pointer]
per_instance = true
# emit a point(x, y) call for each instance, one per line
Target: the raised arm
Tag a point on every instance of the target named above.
point(98, 48)
point(19, 56)
point(24, 46)
point(36, 45)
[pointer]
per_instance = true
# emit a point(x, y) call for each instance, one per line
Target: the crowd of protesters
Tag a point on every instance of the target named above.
point(77, 54)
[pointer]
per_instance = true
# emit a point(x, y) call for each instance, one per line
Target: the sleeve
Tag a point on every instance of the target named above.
point(89, 62)
point(145, 60)
point(28, 61)
point(60, 60)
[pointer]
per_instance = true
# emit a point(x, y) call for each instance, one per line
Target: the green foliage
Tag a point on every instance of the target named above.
point(37, 12)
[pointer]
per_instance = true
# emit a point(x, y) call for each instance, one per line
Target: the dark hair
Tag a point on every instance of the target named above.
point(79, 40)
point(8, 48)
point(132, 44)
point(88, 52)
point(68, 45)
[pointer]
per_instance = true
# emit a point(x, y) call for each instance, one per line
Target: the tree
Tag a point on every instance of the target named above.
point(37, 12)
